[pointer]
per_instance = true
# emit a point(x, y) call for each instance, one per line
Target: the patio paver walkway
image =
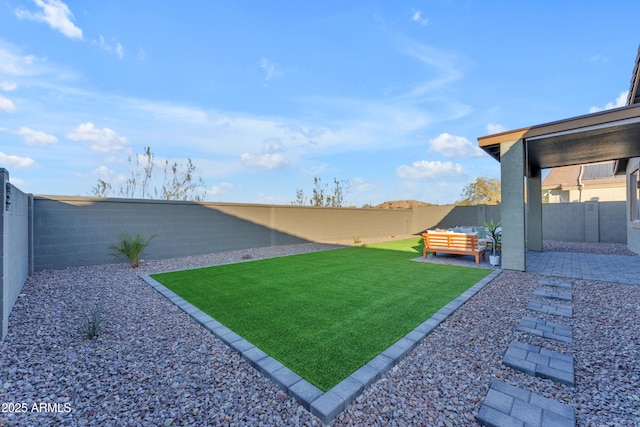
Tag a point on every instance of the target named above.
point(605, 268)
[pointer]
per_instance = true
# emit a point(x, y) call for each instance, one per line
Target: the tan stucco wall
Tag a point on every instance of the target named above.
point(617, 194)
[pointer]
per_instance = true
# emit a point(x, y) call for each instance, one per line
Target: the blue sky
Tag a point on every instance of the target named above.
point(265, 96)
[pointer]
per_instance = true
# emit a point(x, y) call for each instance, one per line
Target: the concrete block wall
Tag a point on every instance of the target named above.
point(563, 222)
point(585, 222)
point(428, 217)
point(591, 222)
point(74, 231)
point(613, 222)
point(15, 255)
point(492, 212)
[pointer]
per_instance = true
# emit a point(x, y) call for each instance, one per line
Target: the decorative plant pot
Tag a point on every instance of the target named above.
point(494, 259)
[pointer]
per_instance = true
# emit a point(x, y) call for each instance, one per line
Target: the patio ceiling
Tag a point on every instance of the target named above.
point(603, 136)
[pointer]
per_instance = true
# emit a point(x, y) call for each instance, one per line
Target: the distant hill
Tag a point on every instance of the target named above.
point(402, 204)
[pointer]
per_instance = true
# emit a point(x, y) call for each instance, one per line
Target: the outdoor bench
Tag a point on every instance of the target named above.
point(454, 243)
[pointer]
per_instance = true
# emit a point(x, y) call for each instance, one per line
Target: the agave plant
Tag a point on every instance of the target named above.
point(131, 248)
point(93, 323)
point(495, 233)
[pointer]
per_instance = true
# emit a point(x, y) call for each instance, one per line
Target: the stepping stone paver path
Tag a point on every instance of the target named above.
point(539, 362)
point(553, 293)
point(545, 329)
point(551, 308)
point(509, 406)
point(555, 284)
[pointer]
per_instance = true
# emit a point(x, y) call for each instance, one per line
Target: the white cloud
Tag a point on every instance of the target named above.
point(14, 63)
point(620, 101)
point(493, 128)
point(15, 161)
point(102, 140)
point(270, 69)
point(36, 137)
point(273, 145)
point(221, 188)
point(362, 184)
point(270, 158)
point(108, 175)
point(452, 146)
point(7, 105)
point(425, 169)
point(8, 86)
point(103, 172)
point(352, 125)
point(306, 132)
point(264, 160)
point(445, 66)
point(417, 17)
point(112, 46)
point(55, 13)
point(17, 181)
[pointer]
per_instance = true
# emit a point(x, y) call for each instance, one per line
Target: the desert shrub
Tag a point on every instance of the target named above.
point(131, 248)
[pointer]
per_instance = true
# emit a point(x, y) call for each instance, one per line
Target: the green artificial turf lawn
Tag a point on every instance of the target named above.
point(325, 314)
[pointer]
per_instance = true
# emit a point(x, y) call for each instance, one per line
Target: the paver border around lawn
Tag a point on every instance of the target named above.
point(326, 406)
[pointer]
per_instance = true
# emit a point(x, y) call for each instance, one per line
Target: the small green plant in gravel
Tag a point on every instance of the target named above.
point(131, 248)
point(356, 239)
point(93, 323)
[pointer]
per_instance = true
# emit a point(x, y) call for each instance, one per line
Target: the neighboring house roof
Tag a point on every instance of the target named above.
point(562, 177)
point(591, 175)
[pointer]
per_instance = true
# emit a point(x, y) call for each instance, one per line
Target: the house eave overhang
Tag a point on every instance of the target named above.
point(607, 135)
point(634, 97)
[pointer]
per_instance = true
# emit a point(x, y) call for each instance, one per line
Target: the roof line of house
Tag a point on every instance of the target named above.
point(631, 112)
point(635, 81)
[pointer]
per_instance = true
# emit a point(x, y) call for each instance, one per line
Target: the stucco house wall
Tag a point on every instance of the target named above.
point(587, 194)
point(584, 183)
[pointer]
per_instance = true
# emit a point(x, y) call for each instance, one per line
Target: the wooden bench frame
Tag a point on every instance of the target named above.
point(453, 243)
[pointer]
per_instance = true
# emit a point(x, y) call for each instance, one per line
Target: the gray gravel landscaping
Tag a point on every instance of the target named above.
point(153, 365)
